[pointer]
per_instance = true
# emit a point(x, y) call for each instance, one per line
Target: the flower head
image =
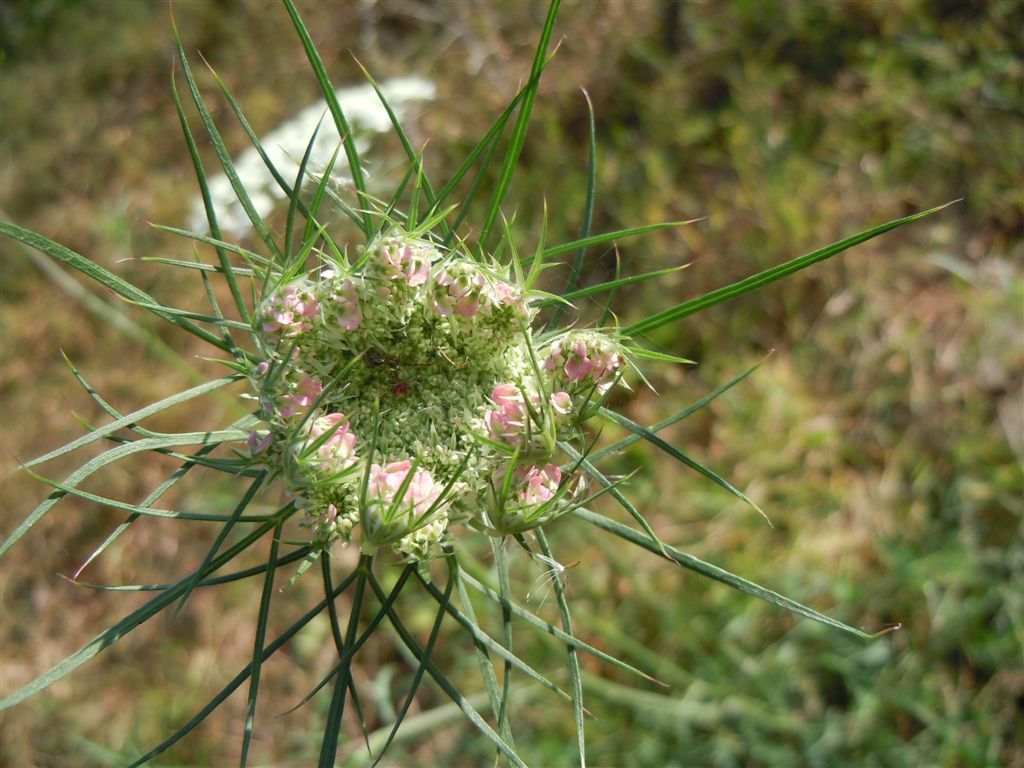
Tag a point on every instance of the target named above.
point(290, 311)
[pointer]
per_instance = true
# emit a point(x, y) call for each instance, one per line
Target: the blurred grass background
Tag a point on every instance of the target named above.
point(883, 436)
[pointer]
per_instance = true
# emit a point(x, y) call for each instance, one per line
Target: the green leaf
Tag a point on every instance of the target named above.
point(607, 286)
point(588, 213)
point(229, 524)
point(461, 701)
point(761, 279)
point(574, 661)
point(518, 138)
point(484, 643)
point(261, 632)
point(211, 214)
point(354, 162)
point(538, 622)
point(242, 676)
point(108, 457)
point(718, 574)
point(332, 730)
point(136, 416)
point(501, 563)
point(224, 156)
point(110, 636)
point(625, 442)
point(107, 278)
point(418, 677)
point(618, 234)
point(678, 455)
point(594, 472)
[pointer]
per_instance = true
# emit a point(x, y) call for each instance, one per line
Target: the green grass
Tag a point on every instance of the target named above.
point(882, 437)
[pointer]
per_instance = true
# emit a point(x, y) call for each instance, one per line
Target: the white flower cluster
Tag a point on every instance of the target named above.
point(407, 392)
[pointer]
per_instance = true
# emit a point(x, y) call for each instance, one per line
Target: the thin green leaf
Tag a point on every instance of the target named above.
point(518, 138)
point(723, 576)
point(488, 143)
point(223, 155)
point(558, 250)
point(242, 676)
point(293, 198)
point(213, 319)
point(484, 642)
point(574, 661)
point(679, 456)
point(108, 457)
point(347, 652)
point(196, 265)
point(142, 510)
point(551, 629)
point(594, 472)
point(354, 162)
point(505, 590)
point(133, 418)
point(109, 279)
point(588, 212)
point(607, 286)
point(132, 620)
point(229, 524)
point(256, 570)
point(211, 214)
point(481, 648)
point(261, 632)
point(761, 279)
point(339, 641)
point(411, 154)
point(418, 677)
point(250, 256)
point(150, 499)
point(332, 731)
point(461, 701)
point(625, 442)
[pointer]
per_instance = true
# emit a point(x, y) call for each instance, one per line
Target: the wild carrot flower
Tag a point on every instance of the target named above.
point(405, 399)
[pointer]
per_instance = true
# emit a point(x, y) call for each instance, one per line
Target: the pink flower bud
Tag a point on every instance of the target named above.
point(386, 481)
point(305, 395)
point(348, 300)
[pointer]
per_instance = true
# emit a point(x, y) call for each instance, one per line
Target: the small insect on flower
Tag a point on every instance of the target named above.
point(547, 578)
point(375, 358)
